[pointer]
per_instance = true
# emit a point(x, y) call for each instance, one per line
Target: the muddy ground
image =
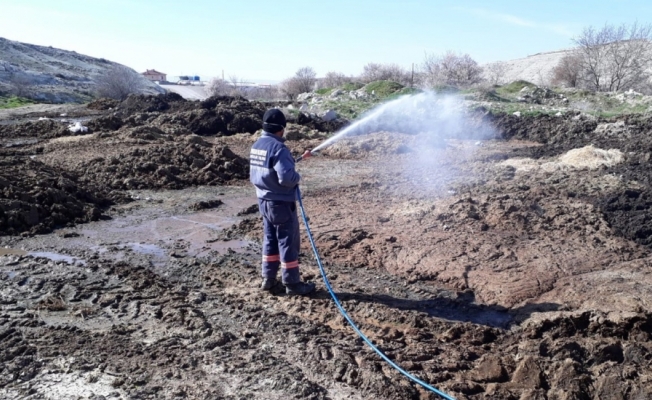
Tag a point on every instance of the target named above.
point(515, 267)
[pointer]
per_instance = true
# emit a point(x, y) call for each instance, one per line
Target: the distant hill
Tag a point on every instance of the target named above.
point(536, 68)
point(53, 75)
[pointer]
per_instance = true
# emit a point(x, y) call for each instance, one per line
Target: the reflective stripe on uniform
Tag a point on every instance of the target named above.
point(271, 258)
point(290, 265)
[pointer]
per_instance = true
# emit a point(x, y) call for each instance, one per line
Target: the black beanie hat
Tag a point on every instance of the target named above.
point(274, 120)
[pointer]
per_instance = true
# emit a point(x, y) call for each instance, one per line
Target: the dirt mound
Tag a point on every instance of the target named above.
point(37, 198)
point(168, 165)
point(299, 132)
point(374, 144)
point(316, 123)
point(206, 205)
point(44, 129)
point(588, 157)
point(103, 104)
point(565, 130)
point(138, 103)
point(575, 139)
point(591, 158)
point(221, 116)
point(574, 130)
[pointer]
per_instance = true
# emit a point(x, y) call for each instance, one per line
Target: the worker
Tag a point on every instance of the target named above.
point(272, 173)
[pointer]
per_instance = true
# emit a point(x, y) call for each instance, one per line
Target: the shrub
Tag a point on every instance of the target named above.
point(383, 88)
point(516, 86)
point(451, 69)
point(119, 82)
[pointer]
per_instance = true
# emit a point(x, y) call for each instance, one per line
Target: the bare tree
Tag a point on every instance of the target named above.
point(303, 81)
point(217, 87)
point(568, 71)
point(495, 72)
point(306, 78)
point(451, 69)
point(384, 72)
point(119, 82)
point(236, 85)
point(334, 79)
point(615, 57)
point(290, 88)
point(20, 84)
point(264, 93)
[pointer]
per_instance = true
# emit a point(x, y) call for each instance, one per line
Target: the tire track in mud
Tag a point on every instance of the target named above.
point(200, 329)
point(214, 335)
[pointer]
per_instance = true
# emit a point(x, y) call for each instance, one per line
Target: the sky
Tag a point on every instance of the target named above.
point(266, 41)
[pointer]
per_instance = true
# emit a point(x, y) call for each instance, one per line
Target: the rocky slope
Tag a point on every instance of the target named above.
point(52, 75)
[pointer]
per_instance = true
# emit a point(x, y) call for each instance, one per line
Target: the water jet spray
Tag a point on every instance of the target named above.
point(441, 117)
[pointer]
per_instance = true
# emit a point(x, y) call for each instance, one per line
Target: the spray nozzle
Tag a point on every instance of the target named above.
point(307, 154)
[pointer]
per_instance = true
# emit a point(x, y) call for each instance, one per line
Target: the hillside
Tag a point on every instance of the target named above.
point(536, 68)
point(52, 75)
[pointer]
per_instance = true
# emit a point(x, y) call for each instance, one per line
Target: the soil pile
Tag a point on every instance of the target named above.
point(314, 122)
point(103, 104)
point(629, 142)
point(43, 129)
point(629, 133)
point(220, 116)
point(37, 198)
point(172, 165)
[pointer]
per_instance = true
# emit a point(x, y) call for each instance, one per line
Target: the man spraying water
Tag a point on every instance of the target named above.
point(276, 181)
point(272, 173)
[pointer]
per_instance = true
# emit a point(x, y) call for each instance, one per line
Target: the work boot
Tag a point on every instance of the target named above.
point(299, 289)
point(268, 283)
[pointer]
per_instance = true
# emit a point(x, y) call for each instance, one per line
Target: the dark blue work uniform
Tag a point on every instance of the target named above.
point(272, 173)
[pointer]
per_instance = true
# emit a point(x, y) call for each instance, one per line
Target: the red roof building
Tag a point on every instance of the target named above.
point(154, 75)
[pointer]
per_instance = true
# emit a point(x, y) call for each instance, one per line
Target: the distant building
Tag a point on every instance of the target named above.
point(154, 75)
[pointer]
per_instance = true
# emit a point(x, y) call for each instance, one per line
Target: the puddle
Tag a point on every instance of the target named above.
point(44, 254)
point(158, 254)
point(151, 233)
point(57, 257)
point(148, 249)
point(216, 227)
point(229, 244)
point(12, 252)
point(19, 142)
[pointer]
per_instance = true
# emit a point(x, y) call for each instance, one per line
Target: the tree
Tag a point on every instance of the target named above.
point(615, 57)
point(303, 81)
point(568, 71)
point(264, 93)
point(451, 69)
point(217, 87)
point(384, 72)
point(290, 88)
point(119, 82)
point(334, 79)
point(236, 85)
point(20, 84)
point(305, 78)
point(495, 72)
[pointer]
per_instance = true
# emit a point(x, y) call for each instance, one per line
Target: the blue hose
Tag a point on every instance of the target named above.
point(346, 315)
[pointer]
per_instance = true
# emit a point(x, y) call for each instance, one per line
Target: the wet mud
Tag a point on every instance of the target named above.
point(511, 268)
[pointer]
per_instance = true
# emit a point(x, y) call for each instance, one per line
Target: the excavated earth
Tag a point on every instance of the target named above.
point(513, 267)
